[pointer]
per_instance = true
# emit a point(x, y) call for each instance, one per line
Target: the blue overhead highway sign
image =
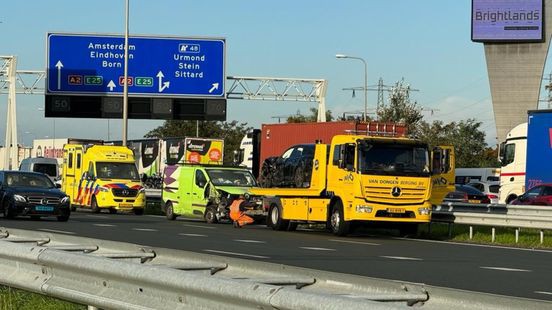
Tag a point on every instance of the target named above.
point(82, 64)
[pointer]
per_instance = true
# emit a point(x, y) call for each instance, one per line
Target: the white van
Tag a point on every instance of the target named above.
point(467, 175)
point(48, 166)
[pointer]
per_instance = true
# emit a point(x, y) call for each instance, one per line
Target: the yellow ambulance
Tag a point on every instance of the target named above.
point(102, 177)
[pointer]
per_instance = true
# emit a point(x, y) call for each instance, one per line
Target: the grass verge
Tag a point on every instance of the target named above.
point(528, 238)
point(11, 298)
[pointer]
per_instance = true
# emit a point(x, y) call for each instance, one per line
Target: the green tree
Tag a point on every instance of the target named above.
point(401, 109)
point(466, 137)
point(312, 117)
point(231, 132)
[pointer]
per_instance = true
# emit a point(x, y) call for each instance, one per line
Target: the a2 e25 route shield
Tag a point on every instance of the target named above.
point(82, 64)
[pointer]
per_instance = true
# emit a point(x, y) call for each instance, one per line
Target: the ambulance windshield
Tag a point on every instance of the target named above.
point(107, 170)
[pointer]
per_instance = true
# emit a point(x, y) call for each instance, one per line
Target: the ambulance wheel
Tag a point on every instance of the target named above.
point(94, 205)
point(169, 211)
point(138, 211)
point(275, 219)
point(338, 225)
point(211, 215)
point(73, 208)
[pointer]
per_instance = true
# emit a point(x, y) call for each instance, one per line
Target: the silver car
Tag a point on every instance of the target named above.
point(488, 188)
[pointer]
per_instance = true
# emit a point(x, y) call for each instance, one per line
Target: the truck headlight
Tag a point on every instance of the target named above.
point(104, 189)
point(424, 211)
point(19, 198)
point(363, 209)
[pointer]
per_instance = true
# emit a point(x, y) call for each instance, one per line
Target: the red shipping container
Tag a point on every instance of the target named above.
point(276, 138)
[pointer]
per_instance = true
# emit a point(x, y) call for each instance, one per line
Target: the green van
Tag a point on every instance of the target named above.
point(204, 191)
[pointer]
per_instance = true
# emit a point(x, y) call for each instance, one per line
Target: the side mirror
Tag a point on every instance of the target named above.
point(58, 185)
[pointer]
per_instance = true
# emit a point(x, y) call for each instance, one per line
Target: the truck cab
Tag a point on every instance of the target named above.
point(513, 154)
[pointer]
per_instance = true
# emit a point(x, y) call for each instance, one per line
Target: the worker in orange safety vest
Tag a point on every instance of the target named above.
point(238, 217)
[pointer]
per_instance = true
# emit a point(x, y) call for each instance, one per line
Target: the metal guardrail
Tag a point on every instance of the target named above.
point(495, 215)
point(115, 275)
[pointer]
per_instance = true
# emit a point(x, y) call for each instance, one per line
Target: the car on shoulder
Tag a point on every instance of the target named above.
point(32, 194)
point(292, 169)
point(490, 189)
point(540, 195)
point(466, 194)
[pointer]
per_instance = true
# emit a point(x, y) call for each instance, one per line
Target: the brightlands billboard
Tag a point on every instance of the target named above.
point(507, 21)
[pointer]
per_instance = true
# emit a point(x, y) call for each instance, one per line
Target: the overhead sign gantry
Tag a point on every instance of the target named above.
point(168, 77)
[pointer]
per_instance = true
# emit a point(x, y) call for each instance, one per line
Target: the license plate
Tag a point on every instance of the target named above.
point(396, 210)
point(474, 201)
point(125, 205)
point(44, 208)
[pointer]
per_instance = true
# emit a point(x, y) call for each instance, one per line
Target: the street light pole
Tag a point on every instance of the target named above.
point(125, 84)
point(342, 56)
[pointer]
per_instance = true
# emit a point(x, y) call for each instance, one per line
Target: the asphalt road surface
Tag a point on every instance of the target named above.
point(492, 269)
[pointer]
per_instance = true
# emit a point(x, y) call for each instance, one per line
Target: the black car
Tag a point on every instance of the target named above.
point(292, 169)
point(466, 194)
point(32, 194)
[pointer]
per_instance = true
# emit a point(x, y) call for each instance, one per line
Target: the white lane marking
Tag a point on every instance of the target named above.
point(104, 225)
point(197, 226)
point(402, 258)
point(353, 242)
point(192, 235)
point(545, 293)
point(97, 216)
point(249, 241)
point(237, 254)
point(315, 248)
point(475, 245)
point(58, 231)
point(149, 215)
point(505, 269)
point(144, 229)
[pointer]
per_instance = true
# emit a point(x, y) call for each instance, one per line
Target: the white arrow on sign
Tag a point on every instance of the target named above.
point(111, 85)
point(215, 87)
point(59, 65)
point(162, 85)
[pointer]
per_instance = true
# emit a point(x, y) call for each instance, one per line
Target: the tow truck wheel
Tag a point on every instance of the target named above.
point(338, 225)
point(94, 205)
point(211, 215)
point(169, 211)
point(275, 219)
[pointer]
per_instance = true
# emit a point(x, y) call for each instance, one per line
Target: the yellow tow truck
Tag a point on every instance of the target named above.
point(379, 176)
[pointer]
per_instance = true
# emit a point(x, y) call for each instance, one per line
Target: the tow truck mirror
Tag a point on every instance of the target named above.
point(341, 161)
point(436, 166)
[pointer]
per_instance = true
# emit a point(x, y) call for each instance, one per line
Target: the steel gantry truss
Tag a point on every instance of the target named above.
point(280, 89)
point(30, 82)
point(14, 82)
